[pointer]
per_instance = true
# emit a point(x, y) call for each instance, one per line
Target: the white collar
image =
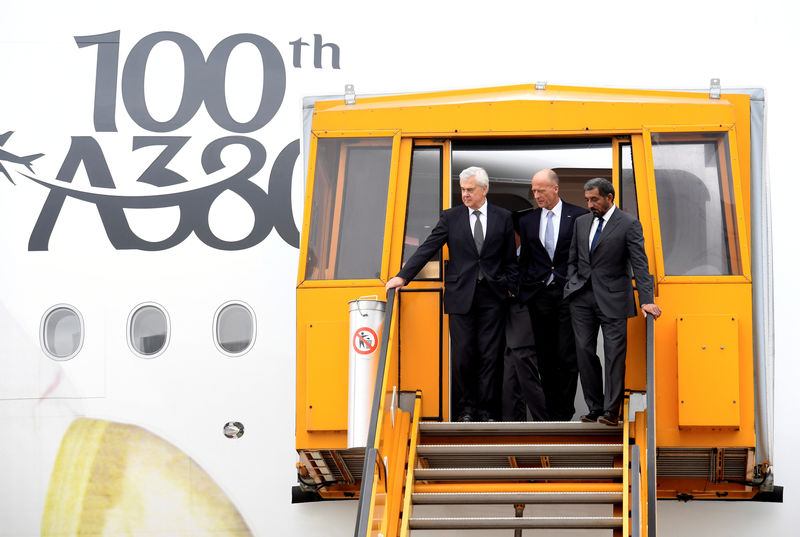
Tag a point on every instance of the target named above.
point(556, 210)
point(481, 209)
point(608, 214)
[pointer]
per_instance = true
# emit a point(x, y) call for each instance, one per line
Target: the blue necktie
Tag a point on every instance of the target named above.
point(549, 241)
point(596, 237)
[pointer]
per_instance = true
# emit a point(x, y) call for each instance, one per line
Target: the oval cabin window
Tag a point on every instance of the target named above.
point(148, 330)
point(62, 332)
point(234, 328)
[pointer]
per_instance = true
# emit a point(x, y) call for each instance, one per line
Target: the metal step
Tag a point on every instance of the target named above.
point(452, 523)
point(517, 428)
point(519, 455)
point(429, 498)
point(482, 487)
point(513, 450)
point(516, 473)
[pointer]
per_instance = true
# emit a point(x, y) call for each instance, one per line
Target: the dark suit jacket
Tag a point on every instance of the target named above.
point(535, 265)
point(497, 260)
point(619, 249)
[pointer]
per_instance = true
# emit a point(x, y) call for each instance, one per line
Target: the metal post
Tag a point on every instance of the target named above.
point(652, 496)
point(636, 493)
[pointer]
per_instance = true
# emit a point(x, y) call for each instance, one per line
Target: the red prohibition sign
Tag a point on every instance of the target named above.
point(365, 340)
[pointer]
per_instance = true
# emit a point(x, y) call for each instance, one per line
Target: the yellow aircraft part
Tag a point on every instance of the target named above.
point(113, 479)
point(704, 340)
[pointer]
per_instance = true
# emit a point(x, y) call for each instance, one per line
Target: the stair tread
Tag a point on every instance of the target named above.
point(493, 428)
point(522, 448)
point(515, 497)
point(506, 487)
point(573, 522)
point(518, 473)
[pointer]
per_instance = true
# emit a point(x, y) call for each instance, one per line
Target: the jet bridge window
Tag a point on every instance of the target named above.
point(348, 208)
point(424, 206)
point(627, 180)
point(696, 204)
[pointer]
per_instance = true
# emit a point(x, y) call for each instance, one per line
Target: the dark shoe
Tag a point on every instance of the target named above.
point(591, 417)
point(464, 417)
point(485, 416)
point(609, 418)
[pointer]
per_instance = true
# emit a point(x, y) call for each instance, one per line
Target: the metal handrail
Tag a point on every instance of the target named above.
point(651, 431)
point(372, 454)
point(635, 493)
point(412, 458)
point(626, 464)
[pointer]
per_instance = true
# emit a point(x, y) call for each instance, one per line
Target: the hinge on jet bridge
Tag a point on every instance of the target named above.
point(349, 94)
point(715, 91)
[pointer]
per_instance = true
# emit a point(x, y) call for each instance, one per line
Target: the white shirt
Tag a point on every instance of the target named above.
point(473, 219)
point(596, 221)
point(556, 222)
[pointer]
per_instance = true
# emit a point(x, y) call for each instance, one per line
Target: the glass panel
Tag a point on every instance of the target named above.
point(627, 180)
point(348, 209)
point(696, 204)
point(366, 185)
point(235, 328)
point(424, 206)
point(322, 209)
point(148, 330)
point(62, 333)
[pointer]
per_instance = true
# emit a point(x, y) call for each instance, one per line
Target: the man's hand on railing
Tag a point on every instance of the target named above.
point(652, 309)
point(395, 282)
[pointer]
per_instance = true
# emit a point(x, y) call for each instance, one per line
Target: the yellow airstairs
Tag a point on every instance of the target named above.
point(424, 478)
point(543, 475)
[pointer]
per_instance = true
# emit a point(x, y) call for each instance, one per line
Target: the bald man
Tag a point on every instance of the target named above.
point(546, 234)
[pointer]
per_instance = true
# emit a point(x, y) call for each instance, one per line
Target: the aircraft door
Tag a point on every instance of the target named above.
point(424, 348)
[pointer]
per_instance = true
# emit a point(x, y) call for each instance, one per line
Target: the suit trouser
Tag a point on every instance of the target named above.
point(586, 320)
point(555, 347)
point(522, 385)
point(476, 338)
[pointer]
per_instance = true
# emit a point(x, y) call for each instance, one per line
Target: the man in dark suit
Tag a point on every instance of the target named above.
point(479, 277)
point(606, 245)
point(546, 235)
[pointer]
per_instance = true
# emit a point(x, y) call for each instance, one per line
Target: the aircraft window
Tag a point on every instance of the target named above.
point(61, 333)
point(627, 198)
point(148, 330)
point(696, 204)
point(348, 208)
point(234, 328)
point(424, 206)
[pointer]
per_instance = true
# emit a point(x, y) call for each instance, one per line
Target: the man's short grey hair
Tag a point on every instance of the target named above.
point(480, 175)
point(603, 186)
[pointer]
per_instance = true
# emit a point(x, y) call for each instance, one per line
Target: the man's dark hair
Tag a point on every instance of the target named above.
point(603, 186)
